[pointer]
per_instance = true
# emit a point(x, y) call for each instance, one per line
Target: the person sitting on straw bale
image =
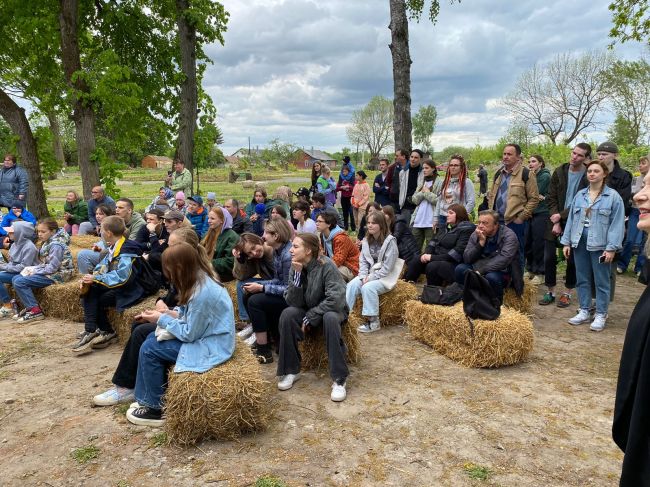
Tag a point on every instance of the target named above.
point(123, 390)
point(17, 212)
point(179, 203)
point(240, 222)
point(301, 215)
point(55, 266)
point(113, 284)
point(264, 300)
point(315, 296)
point(87, 259)
point(399, 228)
point(23, 253)
point(279, 211)
point(361, 234)
point(99, 197)
point(201, 332)
point(75, 212)
point(493, 251)
point(219, 242)
point(282, 197)
point(197, 215)
point(445, 251)
point(320, 205)
point(153, 238)
point(132, 219)
point(161, 202)
point(378, 256)
point(336, 245)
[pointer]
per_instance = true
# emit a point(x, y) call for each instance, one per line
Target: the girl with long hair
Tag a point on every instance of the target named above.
point(457, 187)
point(425, 197)
point(315, 174)
point(219, 242)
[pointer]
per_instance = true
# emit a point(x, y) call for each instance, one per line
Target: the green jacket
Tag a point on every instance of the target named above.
point(543, 182)
point(223, 261)
point(79, 212)
point(182, 182)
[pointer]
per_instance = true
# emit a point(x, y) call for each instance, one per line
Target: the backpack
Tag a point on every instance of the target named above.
point(479, 299)
point(149, 279)
point(445, 296)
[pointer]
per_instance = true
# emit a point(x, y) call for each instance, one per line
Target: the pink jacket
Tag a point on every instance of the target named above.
point(360, 194)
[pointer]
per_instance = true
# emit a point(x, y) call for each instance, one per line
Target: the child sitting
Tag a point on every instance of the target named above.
point(23, 253)
point(55, 266)
point(17, 212)
point(197, 215)
point(112, 284)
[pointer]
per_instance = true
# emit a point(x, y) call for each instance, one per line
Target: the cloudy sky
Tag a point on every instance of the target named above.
point(297, 69)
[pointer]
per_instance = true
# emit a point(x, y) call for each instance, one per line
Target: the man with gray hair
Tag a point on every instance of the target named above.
point(98, 198)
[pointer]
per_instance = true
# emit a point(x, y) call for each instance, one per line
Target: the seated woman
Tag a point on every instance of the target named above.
point(301, 212)
point(124, 377)
point(316, 299)
point(282, 197)
point(87, 259)
point(22, 253)
point(219, 242)
point(162, 201)
point(336, 245)
point(399, 228)
point(75, 212)
point(202, 326)
point(264, 300)
point(378, 256)
point(370, 207)
point(445, 251)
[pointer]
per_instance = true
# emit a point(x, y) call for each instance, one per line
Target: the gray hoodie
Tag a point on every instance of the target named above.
point(23, 252)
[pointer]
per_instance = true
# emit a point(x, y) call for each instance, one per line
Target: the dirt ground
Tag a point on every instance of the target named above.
point(412, 417)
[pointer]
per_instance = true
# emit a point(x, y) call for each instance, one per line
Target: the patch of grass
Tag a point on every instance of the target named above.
point(476, 472)
point(159, 439)
point(85, 454)
point(121, 409)
point(269, 481)
point(123, 483)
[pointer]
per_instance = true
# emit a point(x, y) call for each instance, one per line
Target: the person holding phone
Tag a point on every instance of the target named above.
point(594, 233)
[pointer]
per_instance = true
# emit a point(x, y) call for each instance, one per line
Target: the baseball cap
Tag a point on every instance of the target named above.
point(174, 215)
point(197, 199)
point(302, 191)
point(608, 146)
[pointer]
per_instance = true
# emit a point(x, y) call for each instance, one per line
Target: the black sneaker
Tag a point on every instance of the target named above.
point(83, 346)
point(104, 339)
point(145, 416)
point(34, 314)
point(264, 354)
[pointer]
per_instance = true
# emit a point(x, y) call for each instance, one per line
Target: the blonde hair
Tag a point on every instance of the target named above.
point(209, 242)
point(280, 227)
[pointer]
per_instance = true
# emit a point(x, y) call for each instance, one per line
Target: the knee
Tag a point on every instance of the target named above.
point(332, 320)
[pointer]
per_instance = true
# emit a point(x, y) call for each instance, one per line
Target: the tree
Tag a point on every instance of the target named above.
point(628, 85)
point(631, 19)
point(279, 153)
point(560, 99)
point(424, 124)
point(372, 125)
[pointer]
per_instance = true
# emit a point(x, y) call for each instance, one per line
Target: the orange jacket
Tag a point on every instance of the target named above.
point(345, 252)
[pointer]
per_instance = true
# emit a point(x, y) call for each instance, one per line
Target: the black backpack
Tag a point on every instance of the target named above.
point(149, 279)
point(479, 299)
point(445, 296)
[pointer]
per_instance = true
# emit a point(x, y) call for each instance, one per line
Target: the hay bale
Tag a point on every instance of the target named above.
point(525, 303)
point(61, 301)
point(391, 305)
point(504, 341)
point(223, 403)
point(314, 354)
point(122, 321)
point(231, 287)
point(83, 241)
point(248, 184)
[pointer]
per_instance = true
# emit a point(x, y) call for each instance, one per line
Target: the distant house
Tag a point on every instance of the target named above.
point(244, 152)
point(157, 162)
point(232, 160)
point(306, 158)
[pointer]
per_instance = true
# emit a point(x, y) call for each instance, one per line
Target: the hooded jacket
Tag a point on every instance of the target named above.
point(11, 217)
point(344, 252)
point(23, 253)
point(13, 183)
point(55, 257)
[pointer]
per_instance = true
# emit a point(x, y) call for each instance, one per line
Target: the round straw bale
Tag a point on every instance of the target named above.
point(123, 321)
point(61, 301)
point(314, 354)
point(231, 287)
point(504, 341)
point(525, 303)
point(223, 403)
point(391, 305)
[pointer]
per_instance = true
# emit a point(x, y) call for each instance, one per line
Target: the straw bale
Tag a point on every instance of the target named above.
point(61, 301)
point(391, 305)
point(83, 241)
point(123, 321)
point(504, 341)
point(223, 403)
point(525, 303)
point(314, 354)
point(231, 287)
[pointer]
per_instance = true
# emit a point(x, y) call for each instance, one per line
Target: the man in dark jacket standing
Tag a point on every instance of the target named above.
point(381, 186)
point(13, 182)
point(618, 179)
point(482, 179)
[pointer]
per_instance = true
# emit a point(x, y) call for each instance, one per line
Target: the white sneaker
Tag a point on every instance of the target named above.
point(245, 332)
point(287, 381)
point(580, 318)
point(6, 312)
point(338, 392)
point(250, 340)
point(599, 322)
point(370, 326)
point(537, 280)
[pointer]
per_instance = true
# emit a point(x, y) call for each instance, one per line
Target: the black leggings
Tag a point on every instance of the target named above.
point(127, 369)
point(96, 303)
point(264, 311)
point(535, 243)
point(347, 213)
point(439, 272)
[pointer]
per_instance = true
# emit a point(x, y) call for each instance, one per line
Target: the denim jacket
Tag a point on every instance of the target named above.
point(606, 221)
point(205, 326)
point(281, 266)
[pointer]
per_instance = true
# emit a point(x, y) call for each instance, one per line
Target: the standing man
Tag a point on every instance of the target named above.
point(566, 181)
point(13, 182)
point(381, 187)
point(98, 198)
point(514, 195)
point(180, 179)
point(240, 224)
point(482, 179)
point(618, 179)
point(406, 182)
point(392, 178)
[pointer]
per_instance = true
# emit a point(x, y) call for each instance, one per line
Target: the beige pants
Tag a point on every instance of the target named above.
point(358, 213)
point(346, 273)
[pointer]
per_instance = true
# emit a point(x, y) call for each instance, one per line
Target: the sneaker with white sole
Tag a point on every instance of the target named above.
point(6, 312)
point(245, 332)
point(287, 381)
point(580, 318)
point(20, 314)
point(34, 314)
point(369, 327)
point(115, 395)
point(338, 391)
point(145, 416)
point(103, 340)
point(83, 346)
point(599, 322)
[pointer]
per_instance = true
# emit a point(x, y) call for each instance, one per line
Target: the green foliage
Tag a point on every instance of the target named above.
point(477, 472)
point(621, 132)
point(109, 172)
point(372, 126)
point(49, 164)
point(158, 440)
point(7, 138)
point(85, 454)
point(270, 481)
point(416, 7)
point(279, 154)
point(631, 19)
point(424, 124)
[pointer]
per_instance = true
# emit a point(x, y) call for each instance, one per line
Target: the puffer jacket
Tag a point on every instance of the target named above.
point(13, 183)
point(406, 243)
point(449, 243)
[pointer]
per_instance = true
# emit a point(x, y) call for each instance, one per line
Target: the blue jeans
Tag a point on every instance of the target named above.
point(634, 243)
point(87, 260)
point(497, 279)
point(154, 359)
point(5, 278)
point(243, 314)
point(370, 292)
point(587, 269)
point(23, 286)
point(520, 231)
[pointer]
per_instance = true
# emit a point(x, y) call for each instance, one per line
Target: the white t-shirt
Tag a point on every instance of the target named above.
point(308, 227)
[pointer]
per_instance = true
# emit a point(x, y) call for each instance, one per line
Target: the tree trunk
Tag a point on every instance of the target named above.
point(399, 49)
point(15, 117)
point(83, 114)
point(55, 128)
point(189, 95)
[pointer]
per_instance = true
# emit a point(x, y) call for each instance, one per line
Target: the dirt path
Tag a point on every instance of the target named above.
point(412, 417)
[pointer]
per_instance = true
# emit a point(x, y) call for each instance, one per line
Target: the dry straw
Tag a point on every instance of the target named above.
point(391, 305)
point(523, 304)
point(505, 341)
point(314, 354)
point(223, 403)
point(122, 322)
point(231, 287)
point(61, 301)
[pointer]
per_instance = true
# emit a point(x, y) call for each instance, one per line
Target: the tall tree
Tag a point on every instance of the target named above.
point(372, 125)
point(631, 19)
point(424, 124)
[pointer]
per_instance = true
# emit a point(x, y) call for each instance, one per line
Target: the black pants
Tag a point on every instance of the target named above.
point(96, 303)
point(127, 368)
point(439, 272)
point(291, 333)
point(535, 243)
point(264, 311)
point(550, 267)
point(347, 213)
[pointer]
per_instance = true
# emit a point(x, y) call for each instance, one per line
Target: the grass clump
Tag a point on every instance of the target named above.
point(477, 472)
point(159, 439)
point(85, 454)
point(269, 481)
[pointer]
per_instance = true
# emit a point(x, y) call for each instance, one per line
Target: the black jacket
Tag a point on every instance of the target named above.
point(620, 180)
point(449, 244)
point(241, 224)
point(406, 243)
point(556, 197)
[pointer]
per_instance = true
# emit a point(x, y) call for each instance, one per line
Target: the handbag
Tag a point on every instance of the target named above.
point(390, 280)
point(431, 294)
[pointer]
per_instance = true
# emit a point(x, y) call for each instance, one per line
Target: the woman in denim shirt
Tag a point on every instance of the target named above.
point(594, 230)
